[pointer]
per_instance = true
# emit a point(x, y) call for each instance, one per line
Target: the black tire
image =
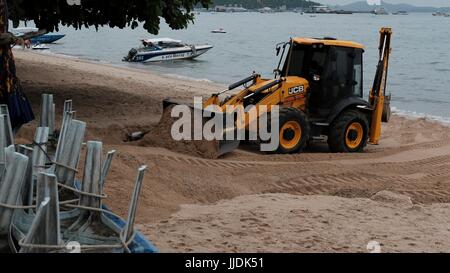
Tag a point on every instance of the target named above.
point(290, 115)
point(343, 138)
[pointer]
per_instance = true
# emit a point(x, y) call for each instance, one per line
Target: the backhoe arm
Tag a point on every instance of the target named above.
point(378, 93)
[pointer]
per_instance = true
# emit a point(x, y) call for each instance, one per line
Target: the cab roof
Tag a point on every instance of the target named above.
point(327, 42)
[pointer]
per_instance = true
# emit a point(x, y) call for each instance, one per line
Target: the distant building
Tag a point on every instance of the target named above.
point(266, 10)
point(231, 8)
point(326, 10)
point(380, 11)
point(320, 9)
point(282, 8)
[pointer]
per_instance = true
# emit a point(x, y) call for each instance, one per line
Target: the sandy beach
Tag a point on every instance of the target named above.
point(396, 193)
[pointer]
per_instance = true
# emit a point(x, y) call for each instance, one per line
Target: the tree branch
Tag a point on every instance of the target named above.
point(7, 39)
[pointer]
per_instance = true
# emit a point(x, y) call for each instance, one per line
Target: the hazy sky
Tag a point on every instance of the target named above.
point(435, 3)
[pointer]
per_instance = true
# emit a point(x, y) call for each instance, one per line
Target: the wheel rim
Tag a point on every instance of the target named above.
point(354, 135)
point(290, 134)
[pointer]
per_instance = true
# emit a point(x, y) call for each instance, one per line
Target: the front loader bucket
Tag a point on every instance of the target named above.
point(209, 149)
point(228, 146)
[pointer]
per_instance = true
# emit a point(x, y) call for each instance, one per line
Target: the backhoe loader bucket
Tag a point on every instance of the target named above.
point(204, 148)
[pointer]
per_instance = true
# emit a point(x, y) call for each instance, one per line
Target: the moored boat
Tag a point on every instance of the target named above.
point(41, 39)
point(220, 30)
point(165, 49)
point(439, 13)
point(401, 13)
point(39, 46)
point(20, 31)
point(47, 38)
point(380, 11)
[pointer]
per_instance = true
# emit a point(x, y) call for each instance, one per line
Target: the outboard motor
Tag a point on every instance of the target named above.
point(194, 50)
point(131, 55)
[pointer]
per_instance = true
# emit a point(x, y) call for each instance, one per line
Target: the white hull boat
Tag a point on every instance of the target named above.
point(221, 30)
point(157, 50)
point(40, 47)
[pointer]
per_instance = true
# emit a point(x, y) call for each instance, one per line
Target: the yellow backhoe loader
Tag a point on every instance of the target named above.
point(319, 89)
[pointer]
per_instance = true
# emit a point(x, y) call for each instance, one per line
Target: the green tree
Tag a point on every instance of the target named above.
point(50, 14)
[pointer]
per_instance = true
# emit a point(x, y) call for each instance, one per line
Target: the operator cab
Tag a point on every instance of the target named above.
point(334, 70)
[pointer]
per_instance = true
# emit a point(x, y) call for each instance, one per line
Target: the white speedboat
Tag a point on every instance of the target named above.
point(401, 12)
point(220, 30)
point(165, 49)
point(439, 13)
point(21, 31)
point(40, 47)
point(380, 11)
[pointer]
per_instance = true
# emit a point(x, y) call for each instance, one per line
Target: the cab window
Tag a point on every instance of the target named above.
point(346, 72)
point(358, 74)
point(306, 61)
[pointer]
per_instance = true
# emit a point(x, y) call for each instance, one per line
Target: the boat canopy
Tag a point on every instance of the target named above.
point(161, 40)
point(23, 30)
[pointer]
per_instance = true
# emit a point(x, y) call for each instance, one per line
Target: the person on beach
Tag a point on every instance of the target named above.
point(10, 89)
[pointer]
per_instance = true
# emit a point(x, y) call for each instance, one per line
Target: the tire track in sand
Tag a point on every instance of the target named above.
point(424, 177)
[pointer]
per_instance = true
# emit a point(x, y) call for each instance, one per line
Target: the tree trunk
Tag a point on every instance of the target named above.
point(10, 89)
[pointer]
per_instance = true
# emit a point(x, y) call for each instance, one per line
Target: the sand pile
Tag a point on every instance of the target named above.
point(161, 136)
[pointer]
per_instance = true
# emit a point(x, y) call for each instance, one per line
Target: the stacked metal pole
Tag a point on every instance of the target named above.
point(11, 186)
point(9, 136)
point(43, 207)
point(48, 113)
point(45, 229)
